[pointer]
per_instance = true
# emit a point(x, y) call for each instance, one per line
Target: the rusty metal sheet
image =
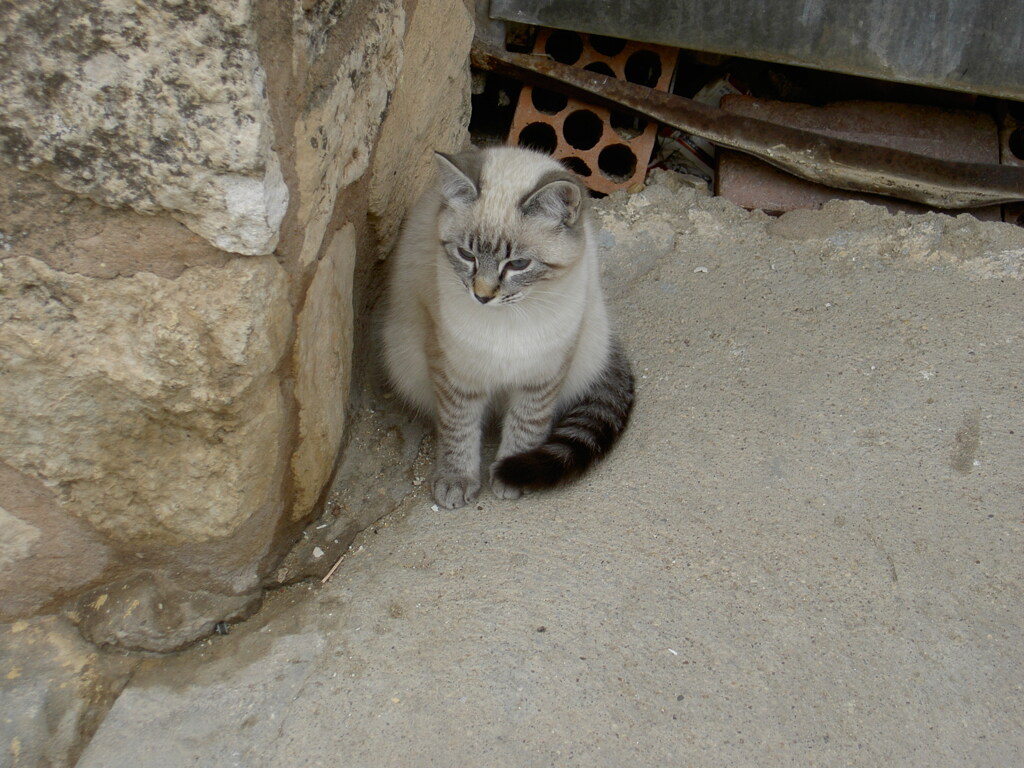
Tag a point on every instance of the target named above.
point(963, 45)
point(829, 160)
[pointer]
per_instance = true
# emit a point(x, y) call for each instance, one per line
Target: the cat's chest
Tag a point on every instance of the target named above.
point(507, 341)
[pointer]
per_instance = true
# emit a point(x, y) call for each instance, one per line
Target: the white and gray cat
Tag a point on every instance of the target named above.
point(495, 302)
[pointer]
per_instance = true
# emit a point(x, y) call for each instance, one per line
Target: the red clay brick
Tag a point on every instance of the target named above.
point(592, 128)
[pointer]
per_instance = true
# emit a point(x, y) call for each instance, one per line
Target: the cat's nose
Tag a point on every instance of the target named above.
point(483, 289)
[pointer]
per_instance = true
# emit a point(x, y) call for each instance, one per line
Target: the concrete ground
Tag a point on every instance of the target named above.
point(806, 550)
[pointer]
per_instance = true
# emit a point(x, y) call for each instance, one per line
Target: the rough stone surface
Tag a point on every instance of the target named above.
point(54, 690)
point(19, 537)
point(169, 413)
point(805, 550)
point(157, 106)
point(74, 234)
point(323, 351)
point(141, 417)
point(431, 74)
point(44, 553)
point(128, 394)
point(149, 611)
point(335, 134)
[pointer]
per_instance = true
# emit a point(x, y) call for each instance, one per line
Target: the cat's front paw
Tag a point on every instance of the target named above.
point(502, 489)
point(452, 492)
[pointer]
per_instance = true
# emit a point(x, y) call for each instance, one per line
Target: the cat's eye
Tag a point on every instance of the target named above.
point(518, 264)
point(466, 255)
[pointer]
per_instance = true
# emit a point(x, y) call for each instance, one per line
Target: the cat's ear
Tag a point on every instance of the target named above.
point(557, 201)
point(460, 175)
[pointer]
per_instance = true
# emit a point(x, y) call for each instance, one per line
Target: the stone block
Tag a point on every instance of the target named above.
point(322, 356)
point(161, 107)
point(133, 404)
point(152, 611)
point(170, 413)
point(335, 133)
point(44, 552)
point(416, 123)
point(74, 234)
point(127, 395)
point(55, 689)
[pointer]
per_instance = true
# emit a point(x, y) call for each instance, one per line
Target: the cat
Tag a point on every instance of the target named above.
point(495, 302)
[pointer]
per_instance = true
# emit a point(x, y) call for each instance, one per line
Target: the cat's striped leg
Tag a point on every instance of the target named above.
point(459, 425)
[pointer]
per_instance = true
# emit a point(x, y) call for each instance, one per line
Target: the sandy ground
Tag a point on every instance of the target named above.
point(806, 550)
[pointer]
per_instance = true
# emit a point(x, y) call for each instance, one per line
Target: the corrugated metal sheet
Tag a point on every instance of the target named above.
point(975, 46)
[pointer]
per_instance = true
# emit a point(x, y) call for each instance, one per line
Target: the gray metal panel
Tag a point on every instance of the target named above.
point(966, 45)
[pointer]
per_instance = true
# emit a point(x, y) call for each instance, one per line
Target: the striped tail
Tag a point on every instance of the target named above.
point(583, 433)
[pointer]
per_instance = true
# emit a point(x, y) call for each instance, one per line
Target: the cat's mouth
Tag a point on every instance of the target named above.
point(496, 301)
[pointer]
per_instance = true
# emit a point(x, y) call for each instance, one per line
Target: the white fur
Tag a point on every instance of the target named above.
point(492, 348)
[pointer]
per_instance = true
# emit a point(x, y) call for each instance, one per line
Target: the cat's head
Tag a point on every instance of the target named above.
point(510, 220)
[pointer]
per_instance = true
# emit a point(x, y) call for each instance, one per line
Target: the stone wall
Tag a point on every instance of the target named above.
point(193, 202)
